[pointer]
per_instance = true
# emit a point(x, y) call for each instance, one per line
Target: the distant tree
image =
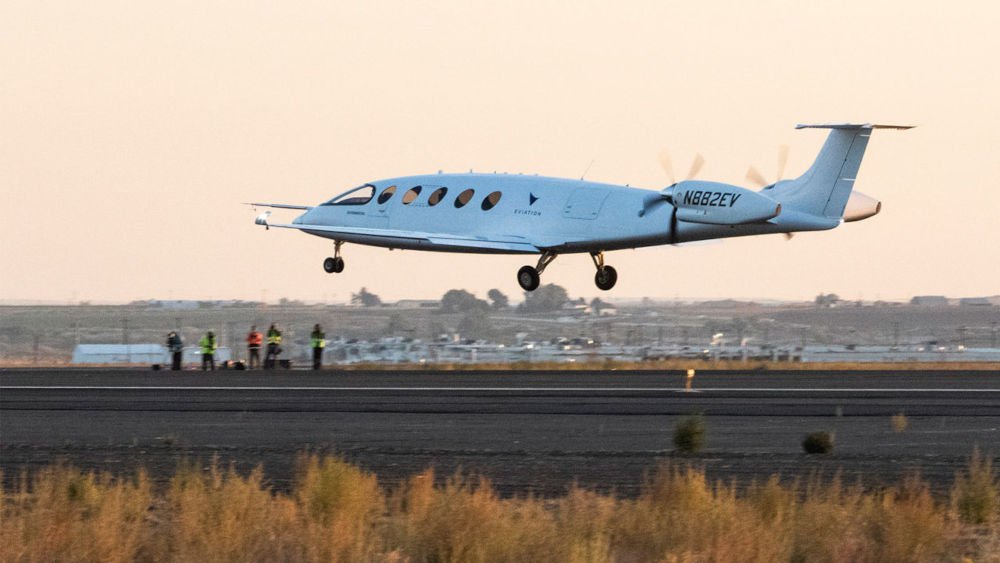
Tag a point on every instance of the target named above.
point(475, 323)
point(397, 323)
point(461, 301)
point(499, 300)
point(365, 298)
point(549, 297)
point(826, 300)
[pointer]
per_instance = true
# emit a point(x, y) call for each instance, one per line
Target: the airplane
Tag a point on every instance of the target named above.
point(526, 214)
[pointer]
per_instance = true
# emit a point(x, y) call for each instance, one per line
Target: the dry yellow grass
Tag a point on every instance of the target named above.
point(337, 512)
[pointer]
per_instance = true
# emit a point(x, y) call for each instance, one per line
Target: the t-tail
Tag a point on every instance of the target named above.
point(825, 190)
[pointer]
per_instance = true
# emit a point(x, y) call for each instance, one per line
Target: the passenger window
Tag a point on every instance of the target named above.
point(386, 195)
point(357, 196)
point(464, 197)
point(491, 200)
point(411, 195)
point(436, 196)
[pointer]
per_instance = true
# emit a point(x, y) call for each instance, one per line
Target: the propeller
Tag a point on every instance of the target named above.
point(755, 177)
point(653, 200)
point(666, 196)
point(696, 164)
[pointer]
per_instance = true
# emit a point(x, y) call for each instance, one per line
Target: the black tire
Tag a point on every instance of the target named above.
point(605, 278)
point(330, 265)
point(338, 265)
point(528, 278)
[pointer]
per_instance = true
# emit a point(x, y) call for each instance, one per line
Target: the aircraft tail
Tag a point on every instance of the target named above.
point(824, 189)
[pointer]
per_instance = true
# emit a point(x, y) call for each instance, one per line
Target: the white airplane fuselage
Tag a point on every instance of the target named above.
point(562, 215)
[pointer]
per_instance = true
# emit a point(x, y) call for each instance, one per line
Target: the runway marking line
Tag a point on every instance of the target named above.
point(500, 389)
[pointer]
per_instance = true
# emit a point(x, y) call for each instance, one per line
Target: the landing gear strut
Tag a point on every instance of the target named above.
point(529, 277)
point(606, 276)
point(334, 265)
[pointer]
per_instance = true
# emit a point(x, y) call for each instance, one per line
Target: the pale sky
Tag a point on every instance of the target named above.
point(131, 131)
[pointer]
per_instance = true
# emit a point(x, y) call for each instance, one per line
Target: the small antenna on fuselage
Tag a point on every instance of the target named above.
point(588, 168)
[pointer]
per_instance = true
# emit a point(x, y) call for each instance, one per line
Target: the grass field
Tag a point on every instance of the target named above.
point(337, 512)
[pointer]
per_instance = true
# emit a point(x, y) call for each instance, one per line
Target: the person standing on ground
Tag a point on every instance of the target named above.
point(318, 341)
point(208, 347)
point(273, 347)
point(176, 347)
point(254, 340)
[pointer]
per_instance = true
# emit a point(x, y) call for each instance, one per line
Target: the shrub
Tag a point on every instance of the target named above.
point(689, 434)
point(899, 422)
point(974, 494)
point(818, 443)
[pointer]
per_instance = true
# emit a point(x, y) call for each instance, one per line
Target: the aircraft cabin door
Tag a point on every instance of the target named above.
point(585, 203)
point(378, 216)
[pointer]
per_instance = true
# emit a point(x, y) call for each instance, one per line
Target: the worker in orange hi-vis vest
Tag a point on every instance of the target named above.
point(254, 341)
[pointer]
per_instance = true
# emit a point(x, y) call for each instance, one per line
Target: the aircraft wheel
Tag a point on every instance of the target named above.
point(528, 278)
point(333, 265)
point(606, 278)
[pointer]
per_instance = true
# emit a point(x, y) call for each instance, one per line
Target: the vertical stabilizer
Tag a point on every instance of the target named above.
point(825, 188)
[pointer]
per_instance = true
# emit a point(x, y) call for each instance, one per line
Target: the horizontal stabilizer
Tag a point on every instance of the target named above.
point(851, 126)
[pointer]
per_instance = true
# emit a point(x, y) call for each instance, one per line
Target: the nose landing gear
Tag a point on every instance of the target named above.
point(334, 265)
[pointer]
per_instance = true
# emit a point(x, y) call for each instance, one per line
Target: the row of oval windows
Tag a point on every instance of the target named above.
point(364, 194)
point(437, 195)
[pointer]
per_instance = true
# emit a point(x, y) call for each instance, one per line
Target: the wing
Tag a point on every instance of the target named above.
point(414, 239)
point(281, 206)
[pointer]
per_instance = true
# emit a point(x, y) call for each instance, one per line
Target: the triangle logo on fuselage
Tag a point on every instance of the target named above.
point(532, 198)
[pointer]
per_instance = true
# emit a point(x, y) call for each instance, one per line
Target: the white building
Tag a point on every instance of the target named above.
point(147, 354)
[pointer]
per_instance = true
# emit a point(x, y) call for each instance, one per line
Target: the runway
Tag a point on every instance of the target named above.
point(533, 431)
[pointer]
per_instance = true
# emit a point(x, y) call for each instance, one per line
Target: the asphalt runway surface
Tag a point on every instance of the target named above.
point(534, 432)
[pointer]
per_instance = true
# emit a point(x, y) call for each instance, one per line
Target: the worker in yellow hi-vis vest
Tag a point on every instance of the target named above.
point(208, 347)
point(273, 347)
point(318, 341)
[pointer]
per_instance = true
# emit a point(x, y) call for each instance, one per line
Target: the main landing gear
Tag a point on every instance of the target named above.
point(606, 276)
point(334, 265)
point(529, 277)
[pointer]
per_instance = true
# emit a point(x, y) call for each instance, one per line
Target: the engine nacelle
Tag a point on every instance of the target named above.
point(715, 203)
point(859, 206)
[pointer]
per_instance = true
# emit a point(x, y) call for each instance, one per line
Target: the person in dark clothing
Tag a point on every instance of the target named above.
point(273, 347)
point(176, 347)
point(317, 340)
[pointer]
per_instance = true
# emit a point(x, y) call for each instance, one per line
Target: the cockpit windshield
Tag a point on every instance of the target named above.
point(357, 196)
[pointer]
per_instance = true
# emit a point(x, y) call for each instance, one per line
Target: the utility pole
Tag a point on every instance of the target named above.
point(128, 351)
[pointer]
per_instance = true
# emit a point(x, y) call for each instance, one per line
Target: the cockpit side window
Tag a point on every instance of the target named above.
point(357, 196)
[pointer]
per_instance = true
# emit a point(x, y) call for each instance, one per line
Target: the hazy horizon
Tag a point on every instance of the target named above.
point(133, 132)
